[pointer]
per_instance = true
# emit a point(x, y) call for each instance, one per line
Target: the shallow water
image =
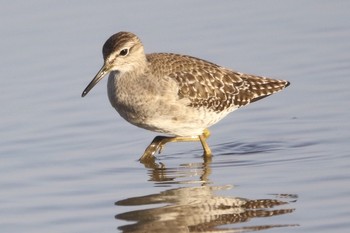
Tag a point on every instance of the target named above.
point(69, 164)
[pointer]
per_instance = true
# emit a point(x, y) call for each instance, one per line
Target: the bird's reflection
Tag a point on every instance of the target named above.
point(196, 206)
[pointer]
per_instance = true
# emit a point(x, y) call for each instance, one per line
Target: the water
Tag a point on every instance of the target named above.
point(69, 164)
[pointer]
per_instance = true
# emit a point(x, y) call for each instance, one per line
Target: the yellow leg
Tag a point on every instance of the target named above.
point(158, 143)
point(202, 138)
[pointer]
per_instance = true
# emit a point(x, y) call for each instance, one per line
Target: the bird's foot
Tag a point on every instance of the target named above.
point(159, 142)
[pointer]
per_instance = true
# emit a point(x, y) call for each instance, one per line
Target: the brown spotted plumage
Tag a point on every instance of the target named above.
point(209, 85)
point(174, 94)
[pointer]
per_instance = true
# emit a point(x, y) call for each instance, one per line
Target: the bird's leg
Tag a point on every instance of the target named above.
point(158, 143)
point(203, 138)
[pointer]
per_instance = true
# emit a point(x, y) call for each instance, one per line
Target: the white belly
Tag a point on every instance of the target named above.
point(157, 110)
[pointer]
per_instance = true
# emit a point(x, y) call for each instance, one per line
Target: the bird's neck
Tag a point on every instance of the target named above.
point(136, 70)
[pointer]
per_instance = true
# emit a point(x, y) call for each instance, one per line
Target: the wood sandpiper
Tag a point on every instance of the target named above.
point(174, 94)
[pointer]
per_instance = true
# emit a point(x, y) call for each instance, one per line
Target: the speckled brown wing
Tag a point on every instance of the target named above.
point(208, 85)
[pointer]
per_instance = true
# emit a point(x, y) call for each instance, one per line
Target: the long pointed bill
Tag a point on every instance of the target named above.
point(101, 73)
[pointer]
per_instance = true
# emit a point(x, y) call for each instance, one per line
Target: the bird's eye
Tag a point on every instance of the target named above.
point(124, 52)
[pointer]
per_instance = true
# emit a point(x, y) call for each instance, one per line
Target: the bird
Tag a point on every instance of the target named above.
point(173, 94)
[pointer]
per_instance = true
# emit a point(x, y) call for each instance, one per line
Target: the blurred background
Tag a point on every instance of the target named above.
point(70, 164)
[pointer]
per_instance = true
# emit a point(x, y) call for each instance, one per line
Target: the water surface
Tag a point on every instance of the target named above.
point(69, 164)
